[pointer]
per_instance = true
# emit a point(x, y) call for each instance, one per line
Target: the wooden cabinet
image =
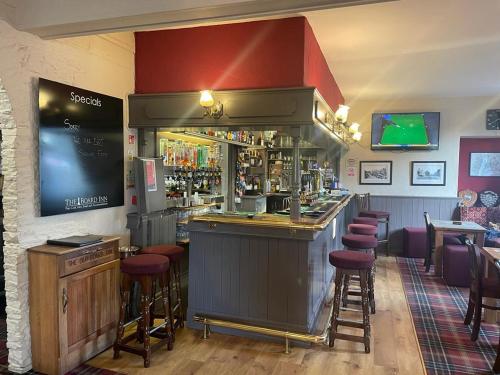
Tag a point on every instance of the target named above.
point(74, 301)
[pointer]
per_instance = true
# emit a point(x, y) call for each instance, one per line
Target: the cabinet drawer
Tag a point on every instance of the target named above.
point(87, 257)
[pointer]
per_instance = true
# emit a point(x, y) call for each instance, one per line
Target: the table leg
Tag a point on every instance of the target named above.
point(438, 253)
point(480, 239)
point(490, 316)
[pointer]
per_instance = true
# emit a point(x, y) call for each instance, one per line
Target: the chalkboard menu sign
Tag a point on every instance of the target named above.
point(81, 149)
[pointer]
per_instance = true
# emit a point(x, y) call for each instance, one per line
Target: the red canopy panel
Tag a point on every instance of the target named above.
point(262, 54)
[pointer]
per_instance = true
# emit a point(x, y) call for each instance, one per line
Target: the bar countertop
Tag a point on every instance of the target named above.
point(329, 209)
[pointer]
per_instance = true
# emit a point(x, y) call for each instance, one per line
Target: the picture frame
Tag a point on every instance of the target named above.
point(484, 164)
point(428, 173)
point(375, 172)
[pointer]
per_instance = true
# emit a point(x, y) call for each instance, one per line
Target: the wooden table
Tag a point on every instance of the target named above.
point(442, 226)
point(491, 254)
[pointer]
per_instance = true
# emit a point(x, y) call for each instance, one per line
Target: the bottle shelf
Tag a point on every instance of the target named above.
point(223, 140)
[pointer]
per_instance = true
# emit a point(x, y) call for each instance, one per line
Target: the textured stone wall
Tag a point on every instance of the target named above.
point(99, 63)
point(16, 277)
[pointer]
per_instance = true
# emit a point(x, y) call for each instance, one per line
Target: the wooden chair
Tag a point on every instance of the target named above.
point(428, 228)
point(496, 366)
point(480, 287)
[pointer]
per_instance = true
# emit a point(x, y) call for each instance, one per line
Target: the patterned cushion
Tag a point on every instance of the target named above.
point(475, 214)
point(493, 215)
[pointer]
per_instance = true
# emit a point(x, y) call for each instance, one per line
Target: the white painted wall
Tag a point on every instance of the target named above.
point(99, 63)
point(460, 117)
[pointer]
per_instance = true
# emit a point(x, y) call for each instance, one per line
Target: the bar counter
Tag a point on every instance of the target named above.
point(265, 270)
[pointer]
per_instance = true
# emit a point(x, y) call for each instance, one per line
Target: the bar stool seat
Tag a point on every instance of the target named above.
point(146, 269)
point(349, 263)
point(365, 220)
point(365, 229)
point(141, 265)
point(375, 214)
point(359, 241)
point(173, 252)
point(349, 259)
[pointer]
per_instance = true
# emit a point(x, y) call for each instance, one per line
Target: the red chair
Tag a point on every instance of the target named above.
point(480, 287)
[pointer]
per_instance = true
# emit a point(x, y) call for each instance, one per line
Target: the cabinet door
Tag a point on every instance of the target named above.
point(88, 312)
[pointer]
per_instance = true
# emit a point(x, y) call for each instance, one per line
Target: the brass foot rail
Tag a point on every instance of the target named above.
point(314, 339)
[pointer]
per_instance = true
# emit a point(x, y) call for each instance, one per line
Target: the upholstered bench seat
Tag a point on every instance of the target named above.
point(414, 242)
point(456, 265)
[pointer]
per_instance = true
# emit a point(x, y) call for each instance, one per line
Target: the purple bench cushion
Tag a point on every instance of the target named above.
point(451, 238)
point(414, 242)
point(351, 260)
point(456, 265)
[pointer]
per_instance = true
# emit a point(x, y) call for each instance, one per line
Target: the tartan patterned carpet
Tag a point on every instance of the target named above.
point(4, 354)
point(438, 312)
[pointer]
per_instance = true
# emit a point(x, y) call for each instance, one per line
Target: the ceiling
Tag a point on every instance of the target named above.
point(412, 48)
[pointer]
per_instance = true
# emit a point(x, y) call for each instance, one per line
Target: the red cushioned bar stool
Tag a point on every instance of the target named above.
point(174, 254)
point(365, 244)
point(368, 221)
point(363, 202)
point(348, 263)
point(144, 269)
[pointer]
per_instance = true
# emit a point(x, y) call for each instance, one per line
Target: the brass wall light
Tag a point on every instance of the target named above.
point(212, 109)
point(349, 133)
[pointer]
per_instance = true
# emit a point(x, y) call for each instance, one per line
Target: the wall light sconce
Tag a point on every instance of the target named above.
point(349, 133)
point(212, 109)
point(342, 113)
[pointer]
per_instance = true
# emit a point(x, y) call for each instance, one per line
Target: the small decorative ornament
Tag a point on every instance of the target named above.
point(468, 197)
point(488, 198)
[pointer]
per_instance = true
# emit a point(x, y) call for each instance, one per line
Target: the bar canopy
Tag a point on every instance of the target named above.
point(296, 111)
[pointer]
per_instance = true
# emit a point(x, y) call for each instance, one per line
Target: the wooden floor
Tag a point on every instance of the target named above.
point(394, 346)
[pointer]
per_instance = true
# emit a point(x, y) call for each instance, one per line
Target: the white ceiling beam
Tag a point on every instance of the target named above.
point(51, 19)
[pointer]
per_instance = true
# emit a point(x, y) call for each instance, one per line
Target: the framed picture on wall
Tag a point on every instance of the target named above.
point(428, 173)
point(484, 164)
point(375, 172)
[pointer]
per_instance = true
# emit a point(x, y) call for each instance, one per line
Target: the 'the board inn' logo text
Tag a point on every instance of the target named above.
point(89, 100)
point(85, 202)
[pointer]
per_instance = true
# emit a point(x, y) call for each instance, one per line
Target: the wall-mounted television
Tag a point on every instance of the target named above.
point(405, 131)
